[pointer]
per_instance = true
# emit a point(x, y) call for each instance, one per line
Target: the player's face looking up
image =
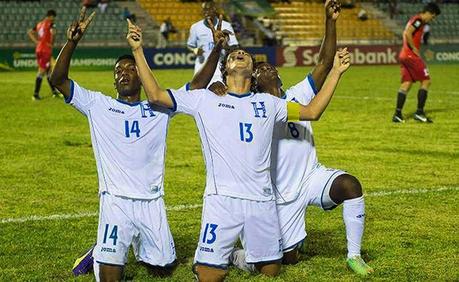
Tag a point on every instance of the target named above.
point(127, 82)
point(239, 60)
point(209, 10)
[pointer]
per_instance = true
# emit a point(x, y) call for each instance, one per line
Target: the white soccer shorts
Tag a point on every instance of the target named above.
point(225, 219)
point(314, 192)
point(142, 223)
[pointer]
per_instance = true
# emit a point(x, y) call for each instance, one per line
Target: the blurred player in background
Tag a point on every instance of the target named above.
point(236, 135)
point(299, 178)
point(412, 66)
point(200, 40)
point(43, 37)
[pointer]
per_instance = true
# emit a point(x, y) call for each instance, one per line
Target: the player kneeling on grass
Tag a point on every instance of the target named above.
point(236, 133)
point(302, 181)
point(84, 264)
point(129, 141)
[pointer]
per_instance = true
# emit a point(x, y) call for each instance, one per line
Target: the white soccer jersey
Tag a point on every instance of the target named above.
point(294, 153)
point(201, 36)
point(129, 143)
point(236, 135)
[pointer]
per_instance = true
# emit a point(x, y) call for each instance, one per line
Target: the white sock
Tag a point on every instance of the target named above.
point(96, 270)
point(238, 260)
point(354, 220)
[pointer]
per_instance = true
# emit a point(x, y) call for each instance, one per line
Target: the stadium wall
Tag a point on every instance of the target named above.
point(172, 58)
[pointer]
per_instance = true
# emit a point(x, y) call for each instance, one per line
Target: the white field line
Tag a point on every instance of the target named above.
point(195, 206)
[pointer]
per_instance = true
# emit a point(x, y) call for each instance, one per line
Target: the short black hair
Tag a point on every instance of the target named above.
point(124, 57)
point(51, 13)
point(432, 8)
point(225, 58)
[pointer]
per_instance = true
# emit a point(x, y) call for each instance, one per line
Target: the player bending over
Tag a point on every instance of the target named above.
point(236, 135)
point(412, 67)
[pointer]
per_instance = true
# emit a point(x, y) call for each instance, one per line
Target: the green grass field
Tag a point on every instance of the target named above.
point(410, 173)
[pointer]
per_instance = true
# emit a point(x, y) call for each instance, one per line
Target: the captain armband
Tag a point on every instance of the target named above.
point(293, 111)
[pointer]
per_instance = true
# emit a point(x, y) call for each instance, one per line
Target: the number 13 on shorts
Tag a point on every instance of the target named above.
point(209, 236)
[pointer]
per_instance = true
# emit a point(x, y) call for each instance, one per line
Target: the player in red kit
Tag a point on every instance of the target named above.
point(43, 36)
point(412, 66)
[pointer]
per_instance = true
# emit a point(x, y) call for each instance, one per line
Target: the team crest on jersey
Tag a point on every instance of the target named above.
point(260, 109)
point(146, 110)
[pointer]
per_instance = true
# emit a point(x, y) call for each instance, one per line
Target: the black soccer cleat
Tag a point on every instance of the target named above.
point(36, 97)
point(398, 118)
point(421, 117)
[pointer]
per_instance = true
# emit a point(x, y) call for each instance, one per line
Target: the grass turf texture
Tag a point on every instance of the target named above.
point(47, 167)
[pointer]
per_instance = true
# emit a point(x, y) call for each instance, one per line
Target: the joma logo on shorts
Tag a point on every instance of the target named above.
point(361, 215)
point(206, 249)
point(109, 250)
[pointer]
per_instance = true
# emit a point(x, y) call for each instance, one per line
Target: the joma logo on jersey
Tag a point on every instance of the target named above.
point(260, 109)
point(222, 105)
point(116, 111)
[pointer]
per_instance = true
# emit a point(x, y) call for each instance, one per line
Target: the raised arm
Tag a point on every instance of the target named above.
point(202, 78)
point(317, 106)
point(59, 76)
point(328, 46)
point(155, 94)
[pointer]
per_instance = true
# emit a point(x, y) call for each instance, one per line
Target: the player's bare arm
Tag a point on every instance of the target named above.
point(328, 46)
point(314, 110)
point(59, 77)
point(202, 78)
point(408, 34)
point(33, 36)
point(155, 94)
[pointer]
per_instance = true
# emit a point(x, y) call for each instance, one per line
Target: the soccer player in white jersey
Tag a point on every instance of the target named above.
point(129, 141)
point(236, 135)
point(299, 178)
point(200, 40)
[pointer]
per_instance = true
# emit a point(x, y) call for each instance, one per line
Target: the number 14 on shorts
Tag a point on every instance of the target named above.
point(113, 234)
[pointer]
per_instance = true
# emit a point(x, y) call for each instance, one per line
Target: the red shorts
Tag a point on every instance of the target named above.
point(43, 59)
point(412, 68)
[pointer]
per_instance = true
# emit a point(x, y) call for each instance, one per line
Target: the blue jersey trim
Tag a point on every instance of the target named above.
point(187, 86)
point(129, 104)
point(174, 107)
point(72, 88)
point(240, 96)
point(312, 83)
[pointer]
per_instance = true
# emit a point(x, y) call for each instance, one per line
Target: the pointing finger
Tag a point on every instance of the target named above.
point(82, 14)
point(210, 24)
point(220, 20)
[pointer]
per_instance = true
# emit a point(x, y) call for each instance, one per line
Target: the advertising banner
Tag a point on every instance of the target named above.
point(92, 58)
point(179, 58)
point(360, 55)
